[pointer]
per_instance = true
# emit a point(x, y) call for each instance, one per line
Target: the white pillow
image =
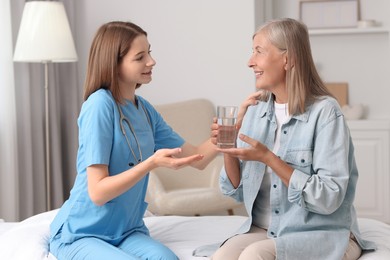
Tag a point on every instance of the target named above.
point(29, 239)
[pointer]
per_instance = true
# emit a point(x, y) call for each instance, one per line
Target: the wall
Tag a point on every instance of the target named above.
point(201, 47)
point(362, 60)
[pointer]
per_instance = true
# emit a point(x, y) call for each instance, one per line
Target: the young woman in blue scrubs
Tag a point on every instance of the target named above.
point(294, 165)
point(121, 138)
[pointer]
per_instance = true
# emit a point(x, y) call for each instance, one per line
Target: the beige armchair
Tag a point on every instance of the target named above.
point(189, 191)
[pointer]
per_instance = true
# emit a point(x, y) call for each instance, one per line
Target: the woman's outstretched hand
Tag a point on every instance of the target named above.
point(169, 158)
point(256, 151)
point(250, 101)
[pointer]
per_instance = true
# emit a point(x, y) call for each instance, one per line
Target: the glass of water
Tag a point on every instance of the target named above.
point(227, 118)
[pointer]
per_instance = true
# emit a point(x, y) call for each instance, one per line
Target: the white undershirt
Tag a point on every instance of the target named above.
point(261, 212)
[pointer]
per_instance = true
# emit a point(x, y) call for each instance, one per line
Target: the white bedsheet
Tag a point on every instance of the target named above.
point(28, 239)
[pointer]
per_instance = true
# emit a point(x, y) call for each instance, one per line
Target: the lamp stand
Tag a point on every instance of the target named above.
point(47, 132)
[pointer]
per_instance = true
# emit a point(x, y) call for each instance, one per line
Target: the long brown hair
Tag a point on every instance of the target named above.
point(303, 82)
point(111, 43)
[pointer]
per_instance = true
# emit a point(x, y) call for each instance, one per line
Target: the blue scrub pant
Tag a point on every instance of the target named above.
point(135, 246)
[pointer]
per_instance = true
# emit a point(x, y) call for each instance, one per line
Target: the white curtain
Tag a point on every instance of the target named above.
point(8, 147)
point(22, 121)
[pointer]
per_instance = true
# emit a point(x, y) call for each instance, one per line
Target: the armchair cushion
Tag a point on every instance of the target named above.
point(188, 191)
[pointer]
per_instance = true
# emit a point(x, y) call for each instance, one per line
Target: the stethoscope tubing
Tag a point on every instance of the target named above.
point(122, 119)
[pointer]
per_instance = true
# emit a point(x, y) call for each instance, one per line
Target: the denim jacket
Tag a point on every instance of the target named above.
point(314, 216)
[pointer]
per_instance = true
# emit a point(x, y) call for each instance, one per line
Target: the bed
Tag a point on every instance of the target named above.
point(28, 239)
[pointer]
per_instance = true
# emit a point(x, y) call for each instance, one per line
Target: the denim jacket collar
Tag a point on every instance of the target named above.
point(270, 111)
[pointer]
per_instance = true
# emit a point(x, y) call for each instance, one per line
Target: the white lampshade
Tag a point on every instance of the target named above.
point(44, 34)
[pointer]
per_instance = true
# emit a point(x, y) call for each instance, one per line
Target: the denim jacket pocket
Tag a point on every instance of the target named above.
point(300, 159)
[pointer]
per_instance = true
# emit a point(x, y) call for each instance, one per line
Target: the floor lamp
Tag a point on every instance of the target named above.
point(44, 37)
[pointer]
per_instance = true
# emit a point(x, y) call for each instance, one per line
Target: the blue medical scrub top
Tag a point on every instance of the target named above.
point(102, 142)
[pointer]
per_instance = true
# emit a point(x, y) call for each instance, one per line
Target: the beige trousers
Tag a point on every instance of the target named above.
point(255, 245)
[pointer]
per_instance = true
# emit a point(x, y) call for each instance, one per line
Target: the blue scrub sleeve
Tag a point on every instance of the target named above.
point(96, 126)
point(164, 135)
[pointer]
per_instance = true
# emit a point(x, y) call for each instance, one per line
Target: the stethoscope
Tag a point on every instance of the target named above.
point(122, 119)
